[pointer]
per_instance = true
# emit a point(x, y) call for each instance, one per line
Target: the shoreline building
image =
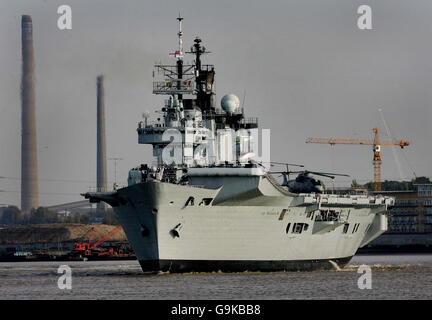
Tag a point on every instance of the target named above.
point(410, 220)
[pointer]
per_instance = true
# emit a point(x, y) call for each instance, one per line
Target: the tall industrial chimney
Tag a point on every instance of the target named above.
point(101, 144)
point(29, 174)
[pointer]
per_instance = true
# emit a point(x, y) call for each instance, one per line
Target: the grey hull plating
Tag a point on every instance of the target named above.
point(242, 224)
point(181, 266)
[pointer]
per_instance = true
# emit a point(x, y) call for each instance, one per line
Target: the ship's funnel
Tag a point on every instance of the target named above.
point(29, 174)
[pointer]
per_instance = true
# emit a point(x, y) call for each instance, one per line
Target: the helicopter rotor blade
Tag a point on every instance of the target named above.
point(329, 173)
point(324, 175)
point(283, 172)
point(289, 164)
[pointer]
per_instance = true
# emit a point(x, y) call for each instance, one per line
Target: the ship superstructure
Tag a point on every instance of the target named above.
point(206, 204)
point(192, 131)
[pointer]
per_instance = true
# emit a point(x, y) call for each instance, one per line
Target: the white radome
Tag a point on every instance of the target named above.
point(230, 103)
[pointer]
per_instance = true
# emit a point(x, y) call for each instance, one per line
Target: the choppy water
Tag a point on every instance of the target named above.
point(393, 277)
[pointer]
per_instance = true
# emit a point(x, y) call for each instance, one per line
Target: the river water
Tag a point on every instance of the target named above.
point(392, 277)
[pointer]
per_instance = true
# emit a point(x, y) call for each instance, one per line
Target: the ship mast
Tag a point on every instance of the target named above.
point(180, 56)
point(204, 78)
point(180, 34)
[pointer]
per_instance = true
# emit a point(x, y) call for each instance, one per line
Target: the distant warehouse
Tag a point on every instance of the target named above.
point(410, 221)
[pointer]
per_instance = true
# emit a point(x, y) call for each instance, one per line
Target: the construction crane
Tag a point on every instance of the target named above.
point(375, 142)
point(87, 247)
point(107, 237)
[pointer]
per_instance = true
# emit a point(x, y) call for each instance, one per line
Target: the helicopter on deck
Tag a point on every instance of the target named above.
point(304, 183)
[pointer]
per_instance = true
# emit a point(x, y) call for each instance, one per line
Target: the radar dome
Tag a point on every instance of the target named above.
point(230, 103)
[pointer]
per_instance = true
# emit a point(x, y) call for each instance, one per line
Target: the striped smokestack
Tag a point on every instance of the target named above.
point(101, 144)
point(29, 174)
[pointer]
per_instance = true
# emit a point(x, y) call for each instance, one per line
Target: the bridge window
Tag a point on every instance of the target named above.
point(299, 227)
point(190, 201)
point(281, 216)
point(356, 226)
point(206, 201)
point(327, 215)
point(345, 228)
point(368, 227)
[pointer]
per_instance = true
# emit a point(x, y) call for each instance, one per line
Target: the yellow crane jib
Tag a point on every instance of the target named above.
point(375, 142)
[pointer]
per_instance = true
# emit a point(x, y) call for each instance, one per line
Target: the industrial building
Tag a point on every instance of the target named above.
point(410, 221)
point(412, 212)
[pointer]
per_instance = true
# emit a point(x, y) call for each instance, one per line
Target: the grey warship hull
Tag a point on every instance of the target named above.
point(242, 223)
point(185, 266)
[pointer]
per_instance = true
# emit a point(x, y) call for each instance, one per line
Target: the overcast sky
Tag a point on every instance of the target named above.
point(306, 68)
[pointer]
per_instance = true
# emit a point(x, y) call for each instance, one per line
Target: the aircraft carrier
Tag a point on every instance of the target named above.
point(206, 203)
